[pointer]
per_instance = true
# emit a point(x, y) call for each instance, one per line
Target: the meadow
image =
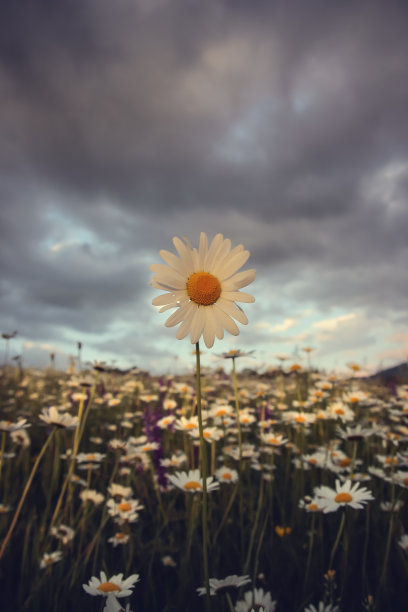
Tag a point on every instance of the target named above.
point(292, 497)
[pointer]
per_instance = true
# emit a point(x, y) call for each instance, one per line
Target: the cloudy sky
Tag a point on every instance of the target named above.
point(282, 125)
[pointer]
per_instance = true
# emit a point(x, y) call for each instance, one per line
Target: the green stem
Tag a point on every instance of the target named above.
point(204, 468)
point(309, 556)
point(3, 446)
point(335, 545)
point(25, 492)
point(230, 604)
point(237, 412)
point(255, 527)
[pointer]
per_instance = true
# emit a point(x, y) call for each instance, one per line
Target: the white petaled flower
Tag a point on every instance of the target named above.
point(256, 600)
point(119, 491)
point(51, 416)
point(50, 558)
point(119, 538)
point(225, 584)
point(322, 607)
point(92, 496)
point(204, 286)
point(63, 533)
point(125, 509)
point(346, 494)
point(273, 439)
point(90, 457)
point(225, 474)
point(192, 482)
point(403, 542)
point(8, 426)
point(111, 588)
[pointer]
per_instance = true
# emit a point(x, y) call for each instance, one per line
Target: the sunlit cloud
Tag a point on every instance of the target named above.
point(334, 323)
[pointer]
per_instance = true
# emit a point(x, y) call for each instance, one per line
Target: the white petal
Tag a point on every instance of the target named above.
point(208, 331)
point(177, 316)
point(183, 251)
point(203, 250)
point(233, 311)
point(232, 265)
point(164, 298)
point(226, 322)
point(211, 314)
point(197, 325)
point(242, 279)
point(185, 327)
point(174, 262)
point(237, 296)
point(213, 251)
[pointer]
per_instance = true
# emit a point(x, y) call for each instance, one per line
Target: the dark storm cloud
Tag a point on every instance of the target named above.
point(280, 124)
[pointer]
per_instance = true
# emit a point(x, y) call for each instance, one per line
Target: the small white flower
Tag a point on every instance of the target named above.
point(50, 558)
point(346, 494)
point(51, 416)
point(111, 587)
point(191, 482)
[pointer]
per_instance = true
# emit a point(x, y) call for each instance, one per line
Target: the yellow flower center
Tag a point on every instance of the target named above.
point(273, 441)
point(91, 457)
point(227, 476)
point(193, 485)
point(124, 507)
point(203, 288)
point(354, 400)
point(300, 419)
point(120, 535)
point(344, 462)
point(312, 507)
point(405, 481)
point(108, 587)
point(189, 426)
point(206, 434)
point(343, 498)
point(339, 411)
point(221, 412)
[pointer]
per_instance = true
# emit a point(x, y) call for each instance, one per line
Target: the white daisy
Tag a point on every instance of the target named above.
point(225, 584)
point(8, 426)
point(112, 587)
point(191, 481)
point(403, 542)
point(119, 538)
point(322, 607)
point(203, 285)
point(50, 558)
point(92, 496)
point(346, 494)
point(256, 600)
point(225, 474)
point(59, 419)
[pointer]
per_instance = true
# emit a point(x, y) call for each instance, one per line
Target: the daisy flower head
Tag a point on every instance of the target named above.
point(8, 426)
point(112, 587)
point(322, 607)
point(403, 542)
point(192, 482)
point(225, 584)
point(203, 286)
point(256, 600)
point(50, 558)
point(64, 420)
point(346, 494)
point(225, 474)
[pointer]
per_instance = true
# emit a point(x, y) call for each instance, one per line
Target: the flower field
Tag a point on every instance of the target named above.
point(303, 475)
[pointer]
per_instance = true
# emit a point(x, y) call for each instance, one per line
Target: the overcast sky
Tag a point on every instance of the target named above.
point(281, 124)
